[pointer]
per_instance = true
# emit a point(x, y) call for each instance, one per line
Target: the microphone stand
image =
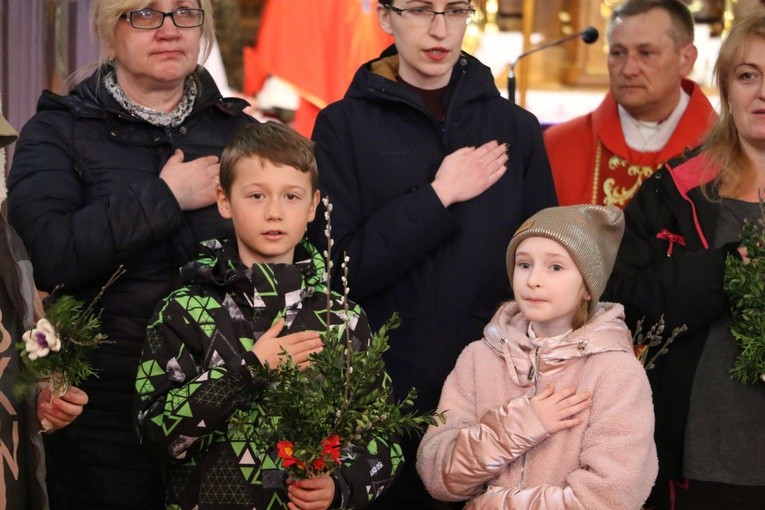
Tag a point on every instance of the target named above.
point(589, 35)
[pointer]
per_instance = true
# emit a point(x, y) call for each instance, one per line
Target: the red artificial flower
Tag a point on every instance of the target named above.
point(286, 450)
point(330, 450)
point(319, 464)
point(331, 446)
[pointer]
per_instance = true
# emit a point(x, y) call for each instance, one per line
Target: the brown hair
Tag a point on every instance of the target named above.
point(722, 144)
point(681, 29)
point(270, 141)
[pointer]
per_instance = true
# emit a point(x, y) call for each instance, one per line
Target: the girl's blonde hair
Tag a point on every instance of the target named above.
point(581, 314)
point(722, 145)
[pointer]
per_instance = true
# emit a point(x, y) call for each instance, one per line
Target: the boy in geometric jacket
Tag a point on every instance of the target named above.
point(237, 298)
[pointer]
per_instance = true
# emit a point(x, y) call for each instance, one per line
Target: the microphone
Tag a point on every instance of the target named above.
point(589, 35)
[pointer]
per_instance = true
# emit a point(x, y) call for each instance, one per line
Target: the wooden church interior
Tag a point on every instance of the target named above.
point(44, 42)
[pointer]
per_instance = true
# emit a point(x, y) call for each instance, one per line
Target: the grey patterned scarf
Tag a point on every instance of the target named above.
point(154, 117)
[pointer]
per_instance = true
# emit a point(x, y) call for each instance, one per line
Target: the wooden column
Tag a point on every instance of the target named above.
point(529, 8)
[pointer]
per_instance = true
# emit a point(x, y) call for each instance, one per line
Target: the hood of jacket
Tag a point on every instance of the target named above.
point(506, 335)
point(376, 81)
point(89, 98)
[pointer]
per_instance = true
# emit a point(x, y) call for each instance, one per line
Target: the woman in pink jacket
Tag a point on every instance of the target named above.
point(551, 409)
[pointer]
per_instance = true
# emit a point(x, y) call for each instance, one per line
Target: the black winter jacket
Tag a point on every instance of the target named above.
point(85, 196)
point(443, 269)
point(194, 375)
point(665, 266)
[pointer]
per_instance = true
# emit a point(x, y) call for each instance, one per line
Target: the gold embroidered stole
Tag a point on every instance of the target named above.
point(619, 181)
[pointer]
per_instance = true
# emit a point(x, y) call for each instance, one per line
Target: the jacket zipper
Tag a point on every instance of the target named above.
point(532, 375)
point(443, 126)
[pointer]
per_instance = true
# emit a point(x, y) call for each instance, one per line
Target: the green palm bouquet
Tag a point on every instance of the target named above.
point(55, 350)
point(342, 398)
point(744, 284)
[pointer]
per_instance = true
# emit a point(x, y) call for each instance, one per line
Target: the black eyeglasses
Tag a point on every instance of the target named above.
point(424, 17)
point(149, 19)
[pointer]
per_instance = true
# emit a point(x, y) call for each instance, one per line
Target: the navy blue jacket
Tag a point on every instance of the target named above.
point(85, 196)
point(443, 269)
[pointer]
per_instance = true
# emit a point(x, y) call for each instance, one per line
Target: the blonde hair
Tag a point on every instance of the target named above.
point(105, 15)
point(581, 314)
point(722, 145)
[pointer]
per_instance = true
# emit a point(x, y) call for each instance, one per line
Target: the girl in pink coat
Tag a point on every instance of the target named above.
point(550, 409)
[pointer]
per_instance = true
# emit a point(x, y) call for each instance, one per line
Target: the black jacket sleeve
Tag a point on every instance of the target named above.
point(73, 238)
point(181, 402)
point(685, 283)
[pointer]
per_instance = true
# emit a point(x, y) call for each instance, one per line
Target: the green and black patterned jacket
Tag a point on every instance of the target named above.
point(193, 376)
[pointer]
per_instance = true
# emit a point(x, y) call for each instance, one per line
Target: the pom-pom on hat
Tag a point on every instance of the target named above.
point(590, 233)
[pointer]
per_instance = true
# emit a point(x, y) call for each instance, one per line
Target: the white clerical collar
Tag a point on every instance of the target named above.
point(646, 136)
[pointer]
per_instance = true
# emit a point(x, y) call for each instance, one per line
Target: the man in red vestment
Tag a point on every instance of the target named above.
point(651, 114)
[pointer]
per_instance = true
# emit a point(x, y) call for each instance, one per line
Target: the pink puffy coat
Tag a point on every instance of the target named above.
point(494, 449)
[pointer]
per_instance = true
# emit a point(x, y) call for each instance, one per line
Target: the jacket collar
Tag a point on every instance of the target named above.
point(471, 80)
point(90, 98)
point(526, 357)
point(218, 264)
point(690, 173)
point(607, 128)
point(250, 291)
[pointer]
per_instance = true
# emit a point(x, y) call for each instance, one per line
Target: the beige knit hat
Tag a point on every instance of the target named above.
point(590, 233)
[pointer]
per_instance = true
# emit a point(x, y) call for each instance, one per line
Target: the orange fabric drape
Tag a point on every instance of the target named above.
point(316, 47)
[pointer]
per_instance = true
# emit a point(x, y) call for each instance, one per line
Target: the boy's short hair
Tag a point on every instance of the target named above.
point(273, 142)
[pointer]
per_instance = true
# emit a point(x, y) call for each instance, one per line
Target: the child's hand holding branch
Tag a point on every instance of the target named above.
point(556, 410)
point(311, 493)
